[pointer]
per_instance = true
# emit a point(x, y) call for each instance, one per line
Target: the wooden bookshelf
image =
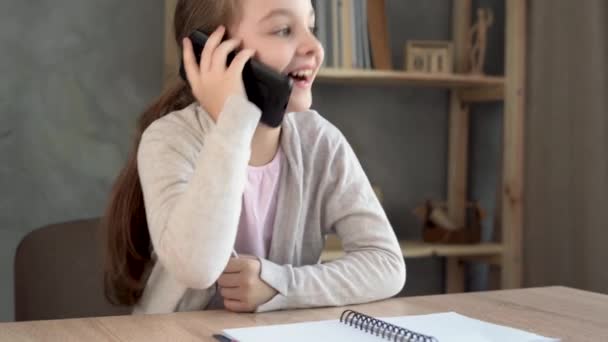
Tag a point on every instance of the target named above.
point(471, 88)
point(417, 249)
point(464, 89)
point(380, 77)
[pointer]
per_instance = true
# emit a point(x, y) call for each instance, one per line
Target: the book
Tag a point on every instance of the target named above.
point(343, 30)
point(354, 326)
point(367, 54)
point(358, 34)
point(336, 26)
point(346, 20)
point(378, 34)
point(321, 14)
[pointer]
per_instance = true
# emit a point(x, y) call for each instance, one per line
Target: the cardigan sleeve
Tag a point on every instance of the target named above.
point(373, 267)
point(192, 187)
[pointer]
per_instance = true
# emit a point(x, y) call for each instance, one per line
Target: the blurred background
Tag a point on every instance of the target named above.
point(75, 76)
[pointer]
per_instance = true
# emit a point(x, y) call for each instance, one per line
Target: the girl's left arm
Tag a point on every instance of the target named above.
point(373, 267)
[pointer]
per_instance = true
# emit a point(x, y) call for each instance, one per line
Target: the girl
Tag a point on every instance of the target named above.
point(206, 178)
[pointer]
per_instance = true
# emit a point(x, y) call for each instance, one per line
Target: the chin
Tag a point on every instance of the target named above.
point(299, 103)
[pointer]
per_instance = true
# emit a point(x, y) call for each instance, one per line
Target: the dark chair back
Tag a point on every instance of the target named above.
point(59, 273)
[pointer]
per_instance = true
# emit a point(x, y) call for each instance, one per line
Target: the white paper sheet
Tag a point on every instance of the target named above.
point(445, 327)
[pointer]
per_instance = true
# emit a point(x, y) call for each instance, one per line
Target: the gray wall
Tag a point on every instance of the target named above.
point(68, 105)
point(75, 74)
point(566, 171)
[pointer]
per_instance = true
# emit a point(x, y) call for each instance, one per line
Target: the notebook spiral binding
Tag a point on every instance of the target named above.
point(382, 329)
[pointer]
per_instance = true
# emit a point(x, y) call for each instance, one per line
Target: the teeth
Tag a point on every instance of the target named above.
point(302, 73)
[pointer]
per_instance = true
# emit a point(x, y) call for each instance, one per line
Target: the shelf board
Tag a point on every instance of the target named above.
point(419, 249)
point(387, 77)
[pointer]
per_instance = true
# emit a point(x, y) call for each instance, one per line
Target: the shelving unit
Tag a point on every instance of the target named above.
point(418, 249)
point(472, 88)
point(455, 81)
point(464, 89)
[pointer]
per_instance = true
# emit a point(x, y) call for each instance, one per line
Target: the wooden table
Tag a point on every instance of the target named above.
point(572, 315)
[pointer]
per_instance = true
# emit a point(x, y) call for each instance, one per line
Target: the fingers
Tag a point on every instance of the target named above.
point(190, 65)
point(233, 293)
point(238, 64)
point(229, 280)
point(212, 43)
point(235, 265)
point(221, 53)
point(237, 306)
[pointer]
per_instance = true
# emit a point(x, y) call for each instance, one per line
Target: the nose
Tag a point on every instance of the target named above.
point(310, 46)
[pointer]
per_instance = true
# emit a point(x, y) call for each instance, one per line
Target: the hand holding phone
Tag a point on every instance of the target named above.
point(219, 68)
point(212, 82)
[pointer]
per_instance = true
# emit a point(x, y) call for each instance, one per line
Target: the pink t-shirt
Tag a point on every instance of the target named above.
point(259, 208)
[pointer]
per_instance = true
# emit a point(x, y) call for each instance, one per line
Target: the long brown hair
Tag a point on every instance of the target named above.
point(127, 241)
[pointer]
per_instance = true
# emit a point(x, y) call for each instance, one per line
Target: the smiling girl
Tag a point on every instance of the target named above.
point(207, 178)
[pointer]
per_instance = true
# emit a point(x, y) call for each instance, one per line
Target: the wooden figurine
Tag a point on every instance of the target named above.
point(478, 37)
point(429, 56)
point(438, 228)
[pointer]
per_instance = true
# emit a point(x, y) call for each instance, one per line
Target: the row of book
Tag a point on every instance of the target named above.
point(353, 33)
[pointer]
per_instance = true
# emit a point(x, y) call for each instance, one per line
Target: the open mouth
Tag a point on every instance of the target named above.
point(302, 75)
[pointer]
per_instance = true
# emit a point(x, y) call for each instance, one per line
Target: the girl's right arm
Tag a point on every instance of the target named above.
point(193, 193)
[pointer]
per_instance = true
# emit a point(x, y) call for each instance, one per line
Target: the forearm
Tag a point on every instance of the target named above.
point(193, 211)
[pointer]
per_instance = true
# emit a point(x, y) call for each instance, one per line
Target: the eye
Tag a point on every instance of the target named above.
point(284, 32)
point(314, 30)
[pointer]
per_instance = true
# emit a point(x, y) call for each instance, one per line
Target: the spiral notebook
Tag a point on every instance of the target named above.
point(357, 327)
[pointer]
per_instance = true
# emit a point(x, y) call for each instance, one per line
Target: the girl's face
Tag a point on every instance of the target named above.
point(281, 32)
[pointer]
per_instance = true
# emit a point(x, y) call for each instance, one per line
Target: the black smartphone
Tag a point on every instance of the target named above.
point(265, 87)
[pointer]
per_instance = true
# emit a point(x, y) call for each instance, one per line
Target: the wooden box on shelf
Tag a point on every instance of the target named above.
point(429, 56)
point(437, 227)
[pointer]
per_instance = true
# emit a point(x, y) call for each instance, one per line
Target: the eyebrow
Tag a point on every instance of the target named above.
point(285, 12)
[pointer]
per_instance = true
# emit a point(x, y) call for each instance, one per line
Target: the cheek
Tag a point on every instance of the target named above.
point(278, 59)
point(270, 50)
